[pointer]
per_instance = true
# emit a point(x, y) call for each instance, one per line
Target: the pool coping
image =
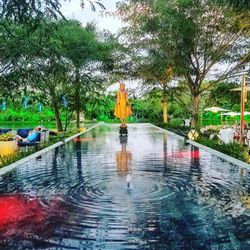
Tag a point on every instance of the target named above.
point(13, 165)
point(223, 156)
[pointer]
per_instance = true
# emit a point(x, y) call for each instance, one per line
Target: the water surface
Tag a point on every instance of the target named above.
point(76, 196)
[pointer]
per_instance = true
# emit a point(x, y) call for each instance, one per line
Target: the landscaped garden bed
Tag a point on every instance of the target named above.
point(234, 149)
point(13, 157)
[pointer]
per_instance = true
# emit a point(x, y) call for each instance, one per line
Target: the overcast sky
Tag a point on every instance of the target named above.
point(71, 9)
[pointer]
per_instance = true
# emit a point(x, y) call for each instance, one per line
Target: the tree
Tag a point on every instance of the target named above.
point(33, 10)
point(193, 36)
point(69, 61)
point(237, 4)
point(88, 55)
point(12, 60)
point(153, 70)
point(33, 13)
point(222, 96)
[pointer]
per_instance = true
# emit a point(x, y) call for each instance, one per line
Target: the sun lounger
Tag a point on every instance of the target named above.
point(43, 137)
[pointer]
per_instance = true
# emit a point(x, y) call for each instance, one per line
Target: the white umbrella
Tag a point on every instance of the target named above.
point(231, 113)
point(215, 109)
point(235, 114)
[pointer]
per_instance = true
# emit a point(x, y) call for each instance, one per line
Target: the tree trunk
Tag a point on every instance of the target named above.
point(77, 106)
point(165, 107)
point(58, 119)
point(77, 115)
point(195, 118)
point(77, 98)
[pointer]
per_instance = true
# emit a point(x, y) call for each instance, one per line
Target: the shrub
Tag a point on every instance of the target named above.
point(7, 137)
point(176, 122)
point(233, 149)
point(12, 114)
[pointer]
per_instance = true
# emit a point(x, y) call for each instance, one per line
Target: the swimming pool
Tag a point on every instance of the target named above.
point(76, 196)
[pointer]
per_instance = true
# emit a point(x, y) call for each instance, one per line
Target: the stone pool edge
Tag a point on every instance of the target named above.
point(12, 166)
point(223, 156)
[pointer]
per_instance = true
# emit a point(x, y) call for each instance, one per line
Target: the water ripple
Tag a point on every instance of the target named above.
point(179, 197)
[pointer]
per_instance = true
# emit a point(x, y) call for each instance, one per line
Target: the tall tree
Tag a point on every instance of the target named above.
point(154, 71)
point(87, 53)
point(193, 36)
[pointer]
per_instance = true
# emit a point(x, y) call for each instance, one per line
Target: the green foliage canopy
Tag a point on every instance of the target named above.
point(192, 37)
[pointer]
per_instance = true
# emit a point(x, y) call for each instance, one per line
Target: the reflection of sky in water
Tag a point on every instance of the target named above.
point(181, 197)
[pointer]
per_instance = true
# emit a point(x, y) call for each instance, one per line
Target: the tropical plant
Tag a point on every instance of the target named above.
point(233, 149)
point(7, 137)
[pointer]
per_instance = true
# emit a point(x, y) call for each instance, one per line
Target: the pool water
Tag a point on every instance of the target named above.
point(77, 196)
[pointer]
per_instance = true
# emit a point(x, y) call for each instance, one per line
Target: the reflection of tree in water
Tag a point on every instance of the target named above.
point(123, 158)
point(99, 131)
point(55, 163)
point(9, 183)
point(174, 223)
point(165, 149)
point(186, 218)
point(195, 157)
point(214, 190)
point(78, 150)
point(93, 132)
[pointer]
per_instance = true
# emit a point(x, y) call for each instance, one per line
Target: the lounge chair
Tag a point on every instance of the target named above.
point(24, 134)
point(42, 138)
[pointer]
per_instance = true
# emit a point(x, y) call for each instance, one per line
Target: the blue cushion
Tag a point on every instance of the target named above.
point(35, 136)
point(24, 132)
point(5, 130)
